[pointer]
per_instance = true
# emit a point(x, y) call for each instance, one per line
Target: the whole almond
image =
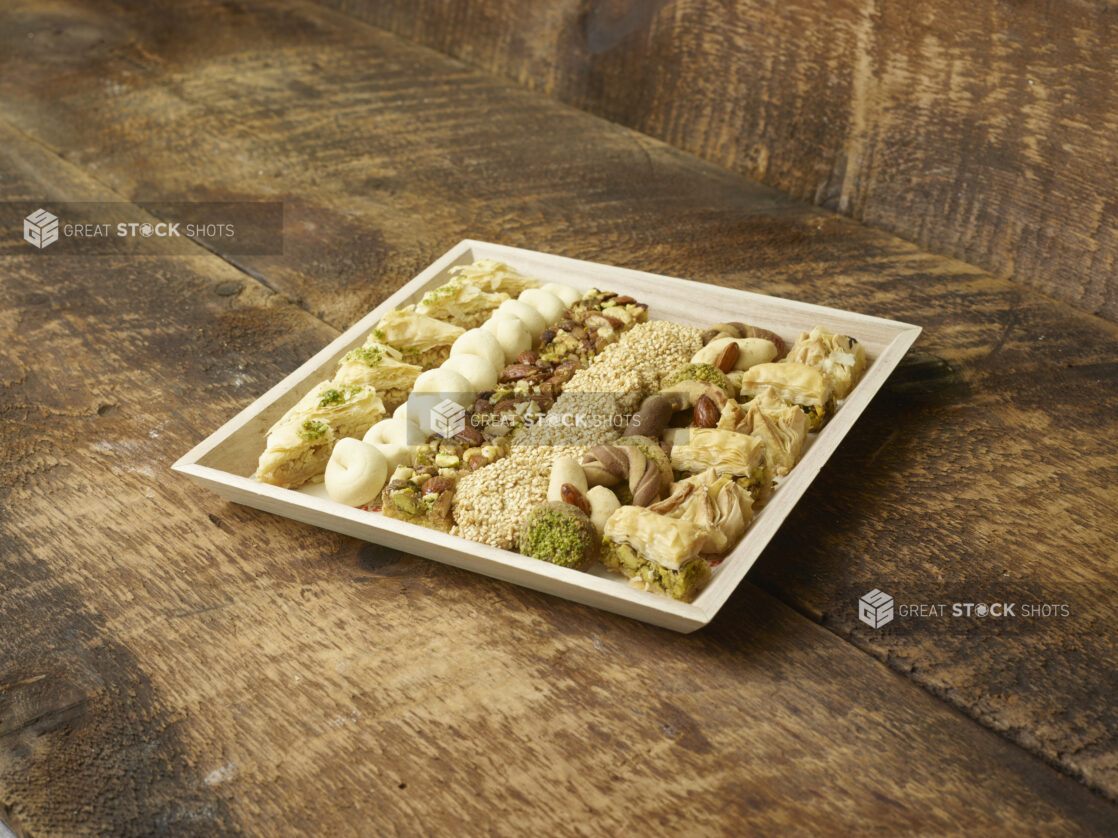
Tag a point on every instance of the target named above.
point(706, 412)
point(728, 357)
point(571, 494)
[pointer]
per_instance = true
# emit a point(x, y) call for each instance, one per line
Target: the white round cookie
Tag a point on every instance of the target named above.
point(396, 455)
point(566, 293)
point(511, 334)
point(533, 320)
point(446, 383)
point(550, 307)
point(356, 472)
point(479, 342)
point(477, 370)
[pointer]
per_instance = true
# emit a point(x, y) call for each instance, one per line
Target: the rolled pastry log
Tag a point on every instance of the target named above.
point(356, 472)
point(483, 343)
point(479, 371)
point(550, 307)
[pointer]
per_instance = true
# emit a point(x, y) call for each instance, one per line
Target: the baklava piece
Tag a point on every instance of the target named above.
point(727, 452)
point(298, 446)
point(421, 340)
point(379, 366)
point(782, 427)
point(840, 358)
point(713, 502)
point(656, 552)
point(795, 383)
point(419, 496)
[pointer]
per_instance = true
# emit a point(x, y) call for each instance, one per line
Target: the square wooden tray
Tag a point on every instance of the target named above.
point(226, 459)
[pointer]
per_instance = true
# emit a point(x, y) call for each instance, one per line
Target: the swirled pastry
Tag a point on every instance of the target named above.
point(840, 358)
point(780, 426)
point(655, 552)
point(379, 366)
point(713, 502)
point(637, 464)
point(422, 340)
point(796, 384)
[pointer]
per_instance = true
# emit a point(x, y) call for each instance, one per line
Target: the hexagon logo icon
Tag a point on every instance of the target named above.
point(875, 609)
point(40, 228)
point(448, 418)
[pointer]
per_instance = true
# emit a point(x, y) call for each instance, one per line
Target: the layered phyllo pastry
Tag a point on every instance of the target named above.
point(780, 426)
point(421, 340)
point(715, 504)
point(380, 366)
point(656, 552)
point(840, 358)
point(796, 384)
point(494, 277)
point(298, 446)
point(727, 452)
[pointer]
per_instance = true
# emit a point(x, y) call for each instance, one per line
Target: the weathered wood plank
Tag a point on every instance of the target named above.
point(387, 154)
point(234, 671)
point(974, 129)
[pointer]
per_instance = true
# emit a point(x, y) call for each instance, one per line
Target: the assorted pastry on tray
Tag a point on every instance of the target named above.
point(565, 424)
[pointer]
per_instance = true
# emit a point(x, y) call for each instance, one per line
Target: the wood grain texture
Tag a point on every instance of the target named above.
point(296, 666)
point(193, 667)
point(973, 129)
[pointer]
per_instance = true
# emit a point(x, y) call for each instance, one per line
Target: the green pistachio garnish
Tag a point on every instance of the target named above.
point(366, 354)
point(698, 372)
point(312, 429)
point(331, 397)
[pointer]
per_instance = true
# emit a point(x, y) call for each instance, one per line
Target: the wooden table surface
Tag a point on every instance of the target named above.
point(171, 663)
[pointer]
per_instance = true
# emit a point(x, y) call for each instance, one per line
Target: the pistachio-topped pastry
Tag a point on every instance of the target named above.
point(492, 275)
point(697, 372)
point(422, 340)
point(561, 534)
point(463, 305)
point(295, 453)
point(298, 446)
point(840, 358)
point(656, 552)
point(380, 366)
